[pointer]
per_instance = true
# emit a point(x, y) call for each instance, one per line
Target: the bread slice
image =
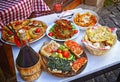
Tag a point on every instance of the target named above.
point(77, 65)
point(48, 48)
point(74, 47)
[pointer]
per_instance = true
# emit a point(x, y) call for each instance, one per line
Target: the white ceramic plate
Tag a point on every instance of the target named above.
point(15, 44)
point(82, 12)
point(73, 37)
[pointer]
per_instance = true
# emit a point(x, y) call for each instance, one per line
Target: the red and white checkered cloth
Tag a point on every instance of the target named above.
point(11, 10)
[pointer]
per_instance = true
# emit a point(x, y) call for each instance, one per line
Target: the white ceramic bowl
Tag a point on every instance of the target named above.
point(83, 11)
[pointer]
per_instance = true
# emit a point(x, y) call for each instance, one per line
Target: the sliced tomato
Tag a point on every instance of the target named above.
point(74, 46)
point(76, 66)
point(78, 63)
point(82, 60)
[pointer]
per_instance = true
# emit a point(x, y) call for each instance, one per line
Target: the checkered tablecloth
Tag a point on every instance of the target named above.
point(11, 10)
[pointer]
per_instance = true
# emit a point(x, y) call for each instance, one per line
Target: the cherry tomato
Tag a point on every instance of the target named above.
point(37, 30)
point(65, 54)
point(10, 32)
point(50, 34)
point(59, 51)
point(75, 31)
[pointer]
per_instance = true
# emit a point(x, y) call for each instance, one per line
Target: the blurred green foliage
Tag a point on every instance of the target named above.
point(111, 2)
point(108, 3)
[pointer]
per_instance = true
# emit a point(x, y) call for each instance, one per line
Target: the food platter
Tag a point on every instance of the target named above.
point(58, 39)
point(35, 30)
point(63, 75)
point(80, 61)
point(85, 19)
point(14, 43)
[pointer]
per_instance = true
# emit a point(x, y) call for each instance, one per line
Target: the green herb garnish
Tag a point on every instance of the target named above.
point(59, 64)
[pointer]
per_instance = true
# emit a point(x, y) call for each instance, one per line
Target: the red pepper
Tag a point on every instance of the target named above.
point(10, 32)
point(17, 41)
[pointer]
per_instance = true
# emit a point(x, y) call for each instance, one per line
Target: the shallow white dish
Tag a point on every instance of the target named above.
point(83, 11)
point(73, 37)
point(15, 44)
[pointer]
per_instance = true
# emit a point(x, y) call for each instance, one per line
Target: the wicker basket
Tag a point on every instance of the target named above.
point(32, 76)
point(99, 39)
point(96, 51)
point(30, 73)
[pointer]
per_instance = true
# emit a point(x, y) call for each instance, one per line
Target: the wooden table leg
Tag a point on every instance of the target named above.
point(7, 62)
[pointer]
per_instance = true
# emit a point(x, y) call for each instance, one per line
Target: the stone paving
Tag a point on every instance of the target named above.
point(106, 77)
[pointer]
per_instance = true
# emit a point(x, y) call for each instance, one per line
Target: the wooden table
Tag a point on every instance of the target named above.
point(95, 63)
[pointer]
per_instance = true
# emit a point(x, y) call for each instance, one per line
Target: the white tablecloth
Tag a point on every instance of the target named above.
point(95, 63)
